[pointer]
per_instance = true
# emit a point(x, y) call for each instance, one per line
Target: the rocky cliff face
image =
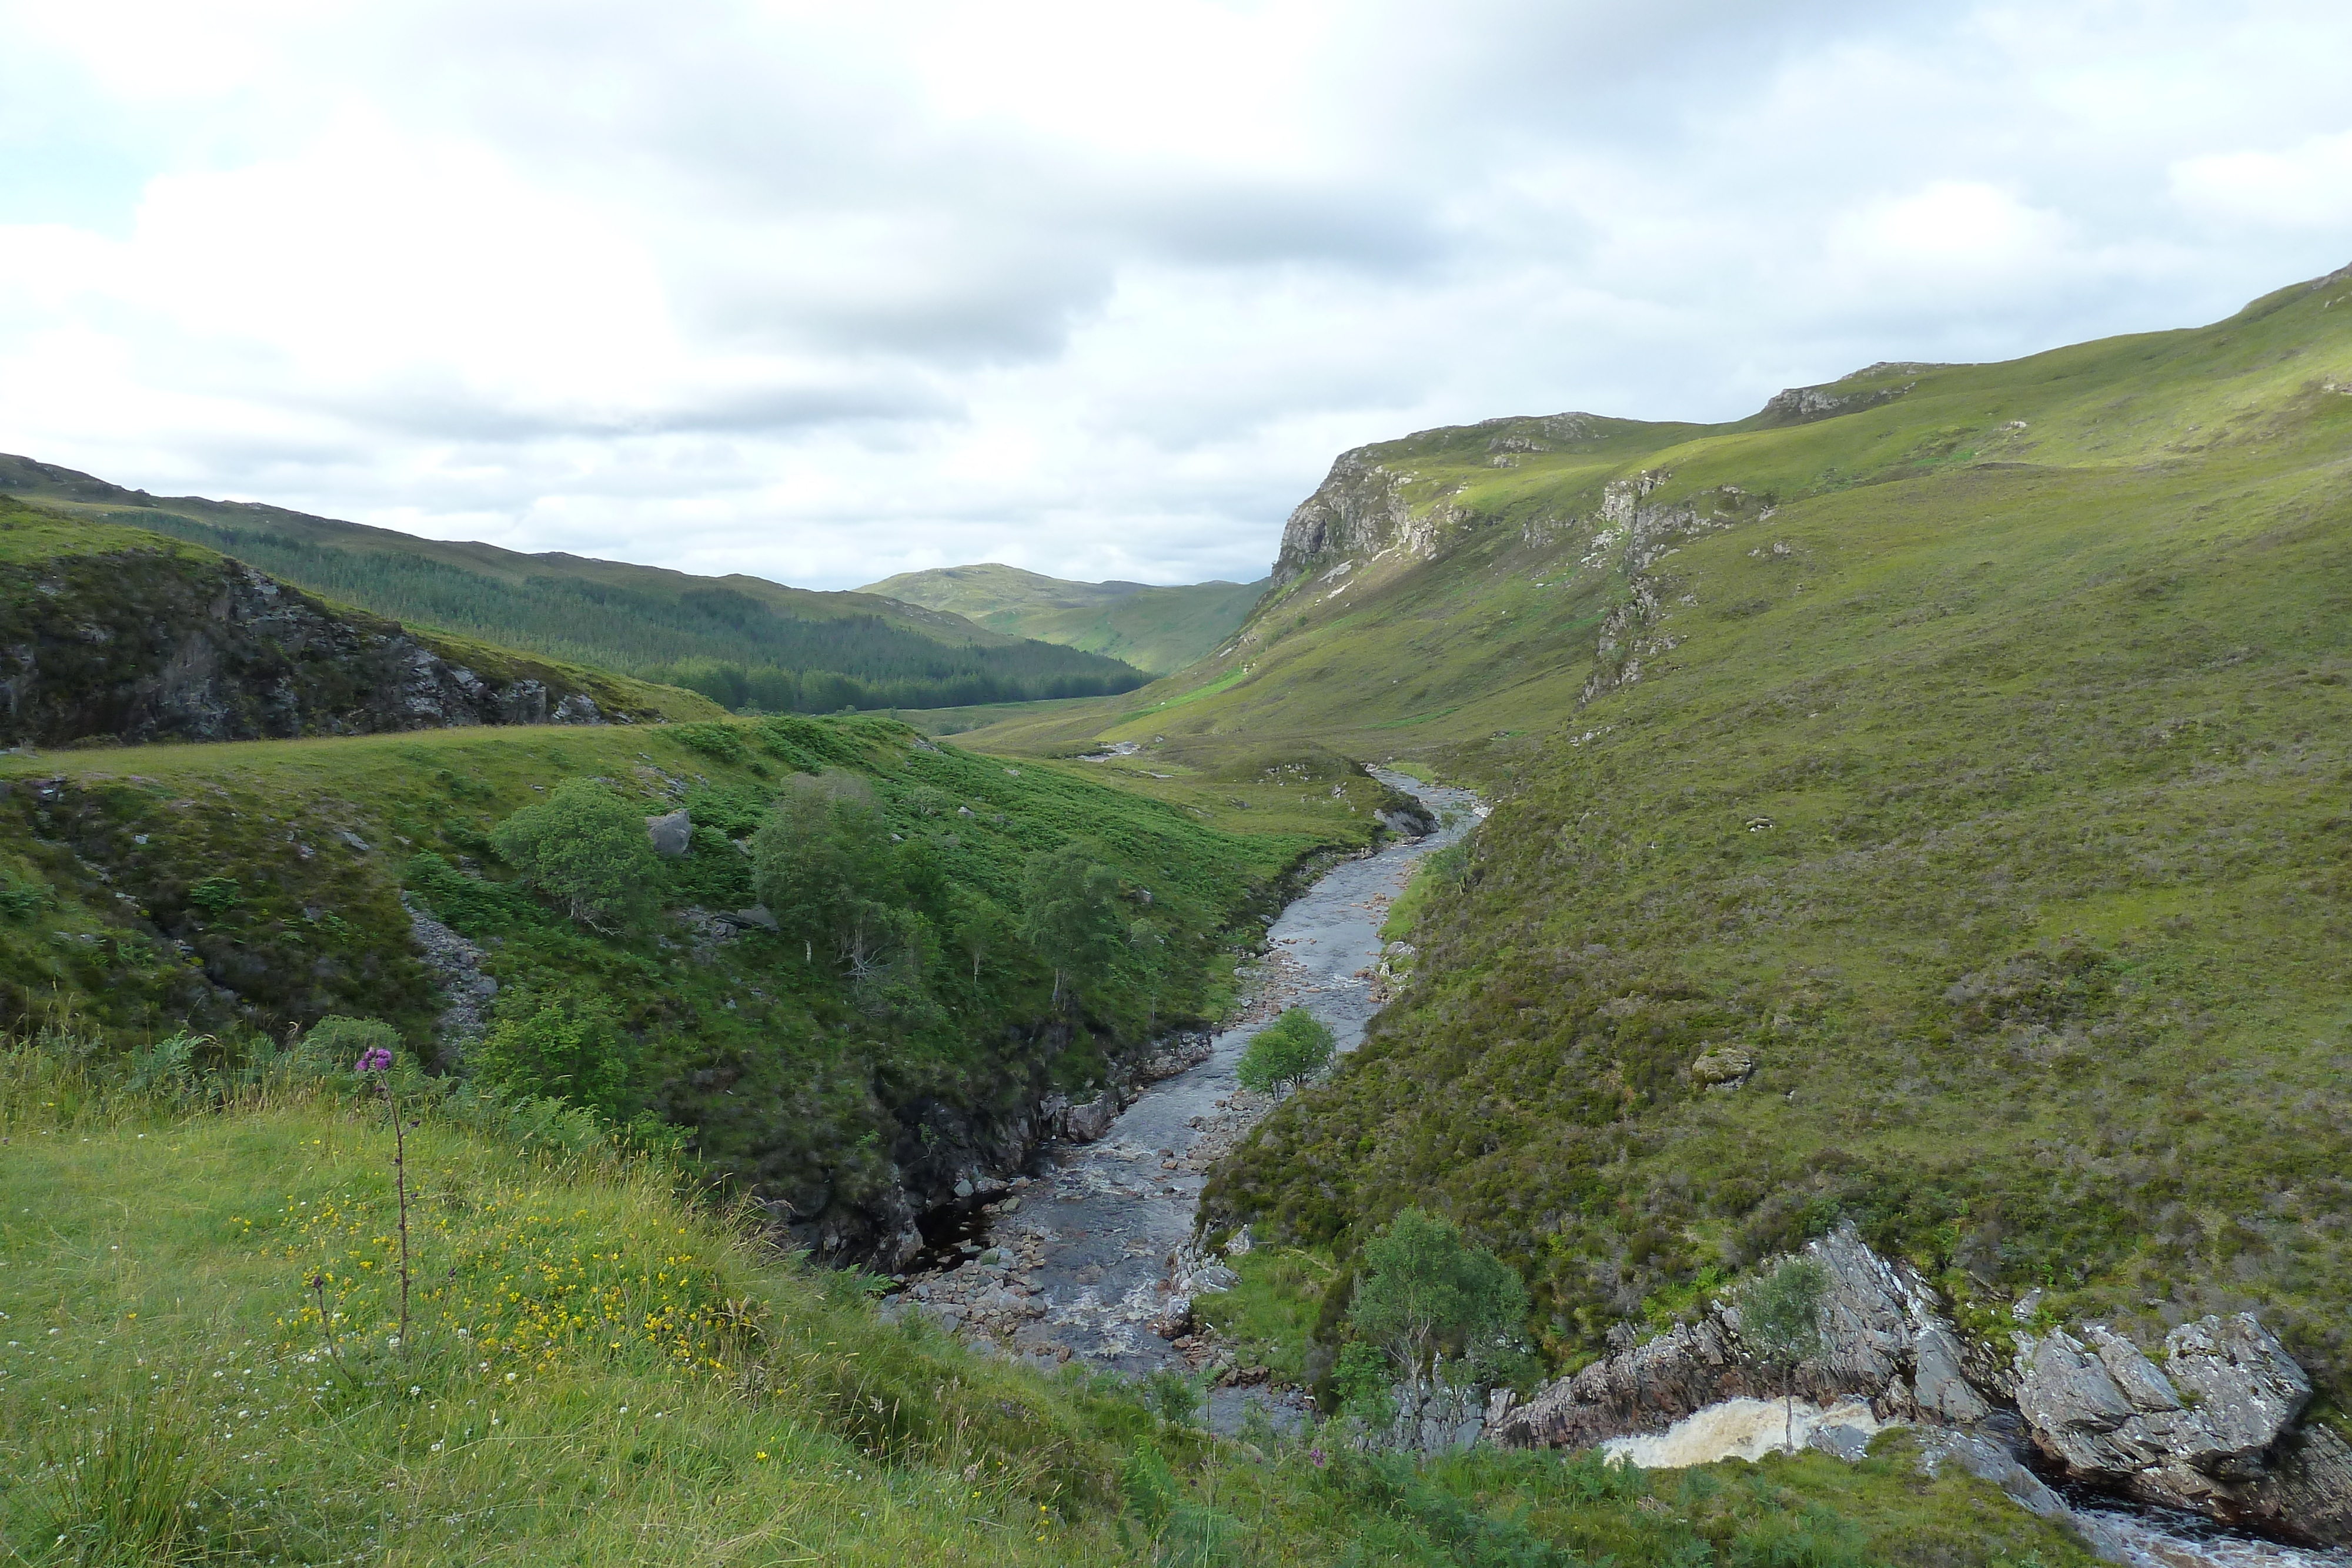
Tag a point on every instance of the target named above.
point(2216, 1429)
point(955, 1158)
point(1359, 509)
point(142, 645)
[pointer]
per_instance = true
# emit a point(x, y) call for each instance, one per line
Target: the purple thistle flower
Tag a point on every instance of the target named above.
point(374, 1059)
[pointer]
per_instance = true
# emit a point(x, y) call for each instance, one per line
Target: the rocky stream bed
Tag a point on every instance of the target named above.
point(1090, 1253)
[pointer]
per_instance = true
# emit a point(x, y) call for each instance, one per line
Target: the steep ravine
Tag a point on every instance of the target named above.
point(1087, 1252)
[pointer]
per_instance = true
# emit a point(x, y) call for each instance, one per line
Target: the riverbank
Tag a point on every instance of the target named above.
point(1090, 1254)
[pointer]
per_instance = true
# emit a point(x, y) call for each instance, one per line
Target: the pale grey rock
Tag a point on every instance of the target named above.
point(2212, 1430)
point(2103, 1409)
point(2308, 1487)
point(1843, 1442)
point(1091, 1122)
point(1722, 1066)
point(756, 915)
point(672, 833)
point(1441, 1419)
point(456, 965)
point(1991, 1462)
point(1883, 1332)
point(1939, 1382)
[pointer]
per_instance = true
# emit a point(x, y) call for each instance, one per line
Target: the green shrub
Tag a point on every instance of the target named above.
point(216, 895)
point(1069, 914)
point(1425, 1289)
point(558, 1045)
point(468, 904)
point(723, 741)
point(21, 897)
point(587, 847)
point(1290, 1051)
point(822, 864)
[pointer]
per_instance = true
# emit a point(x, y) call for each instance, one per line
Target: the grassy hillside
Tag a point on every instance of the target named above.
point(596, 1372)
point(1973, 765)
point(1473, 621)
point(740, 640)
point(1157, 629)
point(252, 888)
point(115, 631)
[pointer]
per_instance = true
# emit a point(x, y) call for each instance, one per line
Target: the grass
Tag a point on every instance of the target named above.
point(1469, 655)
point(604, 1372)
point(1157, 629)
point(1990, 793)
point(740, 640)
point(108, 604)
point(243, 890)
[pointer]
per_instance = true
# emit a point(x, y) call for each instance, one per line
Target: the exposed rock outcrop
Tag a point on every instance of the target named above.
point(457, 965)
point(672, 833)
point(2212, 1429)
point(160, 644)
point(1884, 1341)
point(1633, 533)
point(1359, 510)
point(950, 1156)
point(1800, 405)
point(2209, 1431)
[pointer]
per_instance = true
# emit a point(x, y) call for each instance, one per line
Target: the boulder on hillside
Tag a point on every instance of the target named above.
point(672, 833)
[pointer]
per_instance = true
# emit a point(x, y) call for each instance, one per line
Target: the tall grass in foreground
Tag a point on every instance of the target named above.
point(600, 1371)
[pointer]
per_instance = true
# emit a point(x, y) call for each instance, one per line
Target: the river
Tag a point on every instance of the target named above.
point(1097, 1247)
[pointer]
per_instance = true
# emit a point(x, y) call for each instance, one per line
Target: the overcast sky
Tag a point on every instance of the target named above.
point(825, 292)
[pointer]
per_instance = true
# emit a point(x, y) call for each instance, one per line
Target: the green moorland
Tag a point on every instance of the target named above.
point(72, 584)
point(743, 642)
point(1157, 629)
point(200, 1289)
point(1474, 632)
point(1984, 787)
point(255, 887)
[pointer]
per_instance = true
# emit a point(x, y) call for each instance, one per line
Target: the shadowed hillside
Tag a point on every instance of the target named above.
point(743, 642)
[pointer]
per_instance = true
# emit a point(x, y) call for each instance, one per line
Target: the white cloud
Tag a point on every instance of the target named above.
point(822, 292)
point(2307, 186)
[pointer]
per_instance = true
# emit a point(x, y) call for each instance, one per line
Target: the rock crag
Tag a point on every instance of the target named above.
point(142, 645)
point(2213, 1429)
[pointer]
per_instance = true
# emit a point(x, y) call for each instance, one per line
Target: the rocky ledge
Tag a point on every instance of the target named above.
point(144, 645)
point(2216, 1429)
point(949, 1157)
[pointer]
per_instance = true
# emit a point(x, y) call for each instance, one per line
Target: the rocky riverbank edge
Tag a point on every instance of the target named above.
point(2211, 1425)
point(978, 1159)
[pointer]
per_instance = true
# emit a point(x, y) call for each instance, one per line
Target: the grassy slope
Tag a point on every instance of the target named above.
point(2000, 816)
point(790, 1080)
point(1470, 656)
point(596, 1372)
point(46, 544)
point(485, 592)
point(1157, 629)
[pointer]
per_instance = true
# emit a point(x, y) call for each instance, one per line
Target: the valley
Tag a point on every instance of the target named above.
point(1909, 843)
